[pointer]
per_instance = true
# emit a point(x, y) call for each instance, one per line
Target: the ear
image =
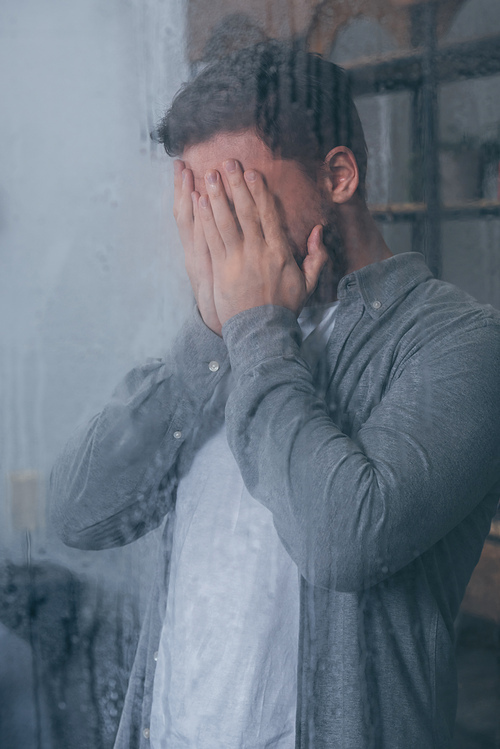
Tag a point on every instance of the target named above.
point(341, 174)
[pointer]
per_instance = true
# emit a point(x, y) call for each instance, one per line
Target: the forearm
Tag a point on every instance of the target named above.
point(353, 511)
point(115, 479)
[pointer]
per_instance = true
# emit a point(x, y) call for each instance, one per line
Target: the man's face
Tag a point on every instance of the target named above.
point(299, 200)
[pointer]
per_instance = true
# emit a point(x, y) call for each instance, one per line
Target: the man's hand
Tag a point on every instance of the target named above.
point(252, 263)
point(196, 253)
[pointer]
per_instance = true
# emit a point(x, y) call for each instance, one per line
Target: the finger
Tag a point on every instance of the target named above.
point(221, 211)
point(187, 187)
point(183, 185)
point(179, 166)
point(200, 254)
point(184, 208)
point(315, 259)
point(211, 232)
point(270, 221)
point(244, 204)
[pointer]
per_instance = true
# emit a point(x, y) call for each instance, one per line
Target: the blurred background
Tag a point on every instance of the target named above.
point(92, 283)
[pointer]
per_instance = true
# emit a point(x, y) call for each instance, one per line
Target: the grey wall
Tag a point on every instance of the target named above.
point(92, 278)
point(91, 282)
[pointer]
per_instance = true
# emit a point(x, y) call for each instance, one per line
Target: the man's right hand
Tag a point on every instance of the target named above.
point(196, 252)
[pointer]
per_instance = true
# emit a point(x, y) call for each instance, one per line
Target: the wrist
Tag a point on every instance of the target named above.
point(211, 321)
point(261, 333)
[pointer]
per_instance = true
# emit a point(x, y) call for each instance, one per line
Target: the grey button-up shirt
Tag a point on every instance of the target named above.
point(382, 479)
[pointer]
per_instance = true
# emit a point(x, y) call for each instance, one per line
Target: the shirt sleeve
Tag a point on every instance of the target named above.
point(351, 512)
point(116, 478)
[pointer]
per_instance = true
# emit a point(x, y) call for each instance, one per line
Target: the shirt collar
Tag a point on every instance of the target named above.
point(381, 284)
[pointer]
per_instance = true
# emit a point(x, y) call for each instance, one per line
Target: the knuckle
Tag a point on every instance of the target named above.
point(226, 227)
point(268, 214)
point(248, 214)
point(235, 180)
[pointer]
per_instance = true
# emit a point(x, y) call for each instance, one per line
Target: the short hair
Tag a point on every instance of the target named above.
point(298, 103)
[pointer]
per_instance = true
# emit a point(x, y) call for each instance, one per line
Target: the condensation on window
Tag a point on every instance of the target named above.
point(93, 284)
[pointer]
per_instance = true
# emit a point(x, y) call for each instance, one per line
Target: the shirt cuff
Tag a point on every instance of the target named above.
point(261, 333)
point(199, 353)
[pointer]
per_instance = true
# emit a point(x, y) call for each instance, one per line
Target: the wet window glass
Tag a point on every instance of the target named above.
point(249, 404)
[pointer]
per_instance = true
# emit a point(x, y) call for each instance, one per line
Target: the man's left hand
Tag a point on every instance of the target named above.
point(252, 263)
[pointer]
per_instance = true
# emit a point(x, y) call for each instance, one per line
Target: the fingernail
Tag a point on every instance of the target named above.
point(183, 176)
point(230, 165)
point(211, 178)
point(204, 201)
point(250, 176)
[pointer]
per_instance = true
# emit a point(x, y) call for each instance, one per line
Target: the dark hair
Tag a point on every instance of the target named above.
point(299, 104)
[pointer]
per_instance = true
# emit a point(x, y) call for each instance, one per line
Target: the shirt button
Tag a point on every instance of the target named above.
point(155, 655)
point(376, 305)
point(145, 733)
point(214, 366)
point(177, 435)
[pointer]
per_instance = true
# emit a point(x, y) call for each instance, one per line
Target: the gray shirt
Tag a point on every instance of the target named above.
point(382, 478)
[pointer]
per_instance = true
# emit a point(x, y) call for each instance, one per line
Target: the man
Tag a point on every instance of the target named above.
point(324, 439)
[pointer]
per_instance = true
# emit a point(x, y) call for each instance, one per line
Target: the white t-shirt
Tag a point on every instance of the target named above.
point(227, 662)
